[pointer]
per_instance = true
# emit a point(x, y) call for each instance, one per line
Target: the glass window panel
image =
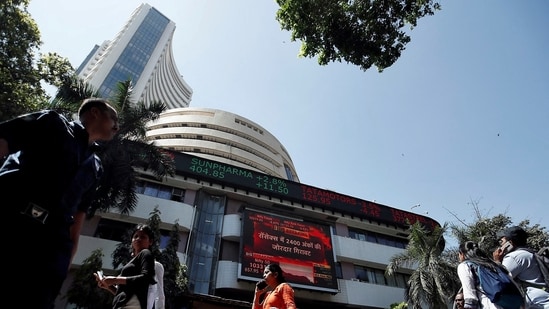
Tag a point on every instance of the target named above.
point(380, 277)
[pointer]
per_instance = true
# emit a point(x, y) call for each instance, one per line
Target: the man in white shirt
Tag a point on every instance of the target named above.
point(521, 263)
point(155, 298)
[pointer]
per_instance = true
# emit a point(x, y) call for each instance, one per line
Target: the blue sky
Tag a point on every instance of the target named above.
point(461, 117)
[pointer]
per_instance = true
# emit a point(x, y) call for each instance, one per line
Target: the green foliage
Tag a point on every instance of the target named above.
point(84, 292)
point(175, 273)
point(363, 33)
point(55, 70)
point(484, 229)
point(154, 222)
point(433, 280)
point(128, 150)
point(402, 305)
point(20, 88)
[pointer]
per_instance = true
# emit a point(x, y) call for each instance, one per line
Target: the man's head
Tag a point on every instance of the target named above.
point(459, 301)
point(99, 118)
point(515, 234)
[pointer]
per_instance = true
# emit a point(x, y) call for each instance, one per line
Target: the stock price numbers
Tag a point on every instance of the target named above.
point(207, 171)
point(265, 182)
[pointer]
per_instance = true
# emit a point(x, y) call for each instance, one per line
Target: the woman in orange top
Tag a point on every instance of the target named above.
point(281, 294)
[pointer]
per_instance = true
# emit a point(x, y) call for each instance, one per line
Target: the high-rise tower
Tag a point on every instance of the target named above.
point(142, 52)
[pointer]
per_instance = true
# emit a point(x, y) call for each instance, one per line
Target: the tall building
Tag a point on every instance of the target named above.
point(224, 137)
point(142, 52)
point(238, 201)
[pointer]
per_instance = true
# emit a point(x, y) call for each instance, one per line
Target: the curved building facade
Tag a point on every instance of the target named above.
point(224, 137)
point(142, 51)
point(333, 248)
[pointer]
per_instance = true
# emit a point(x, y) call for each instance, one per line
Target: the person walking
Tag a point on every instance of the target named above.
point(520, 261)
point(48, 175)
point(131, 287)
point(280, 294)
point(474, 296)
point(156, 298)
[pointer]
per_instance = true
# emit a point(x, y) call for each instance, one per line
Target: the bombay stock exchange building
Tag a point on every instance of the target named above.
point(141, 51)
point(237, 198)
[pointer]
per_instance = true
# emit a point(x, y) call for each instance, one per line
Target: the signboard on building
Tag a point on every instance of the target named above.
point(294, 191)
point(302, 249)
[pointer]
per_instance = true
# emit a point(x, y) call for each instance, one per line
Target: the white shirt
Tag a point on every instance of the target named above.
point(471, 290)
point(524, 268)
point(156, 291)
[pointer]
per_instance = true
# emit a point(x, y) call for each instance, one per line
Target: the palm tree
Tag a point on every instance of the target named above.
point(128, 150)
point(434, 280)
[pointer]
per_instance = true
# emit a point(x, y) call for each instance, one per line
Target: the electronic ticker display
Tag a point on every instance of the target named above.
point(294, 191)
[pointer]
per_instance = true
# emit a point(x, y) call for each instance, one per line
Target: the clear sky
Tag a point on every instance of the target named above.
point(461, 117)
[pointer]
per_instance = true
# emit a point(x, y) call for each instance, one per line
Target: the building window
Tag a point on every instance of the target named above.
point(160, 191)
point(113, 230)
point(377, 276)
point(117, 230)
point(289, 174)
point(378, 238)
point(339, 272)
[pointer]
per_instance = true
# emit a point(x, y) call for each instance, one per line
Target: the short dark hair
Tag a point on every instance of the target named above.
point(90, 103)
point(514, 233)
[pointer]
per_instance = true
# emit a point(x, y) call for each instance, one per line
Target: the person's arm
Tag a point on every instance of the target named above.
point(4, 148)
point(257, 297)
point(160, 288)
point(102, 284)
point(76, 227)
point(468, 285)
point(288, 296)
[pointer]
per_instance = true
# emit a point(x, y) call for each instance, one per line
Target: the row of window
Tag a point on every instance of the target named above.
point(117, 230)
point(377, 276)
point(160, 191)
point(378, 238)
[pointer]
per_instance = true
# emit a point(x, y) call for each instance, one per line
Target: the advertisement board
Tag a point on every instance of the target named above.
point(303, 250)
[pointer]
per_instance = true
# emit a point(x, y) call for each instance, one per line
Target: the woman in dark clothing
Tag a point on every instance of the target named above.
point(132, 285)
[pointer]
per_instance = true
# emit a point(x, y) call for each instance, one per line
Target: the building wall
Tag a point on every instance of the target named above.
point(225, 283)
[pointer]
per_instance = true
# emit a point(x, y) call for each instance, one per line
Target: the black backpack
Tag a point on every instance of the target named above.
point(542, 257)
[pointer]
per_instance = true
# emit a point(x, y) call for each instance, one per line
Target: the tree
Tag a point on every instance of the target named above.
point(20, 89)
point(484, 229)
point(175, 273)
point(84, 292)
point(434, 280)
point(361, 32)
point(129, 149)
point(22, 68)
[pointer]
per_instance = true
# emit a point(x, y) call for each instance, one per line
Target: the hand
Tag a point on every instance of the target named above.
point(259, 291)
point(100, 281)
point(498, 254)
